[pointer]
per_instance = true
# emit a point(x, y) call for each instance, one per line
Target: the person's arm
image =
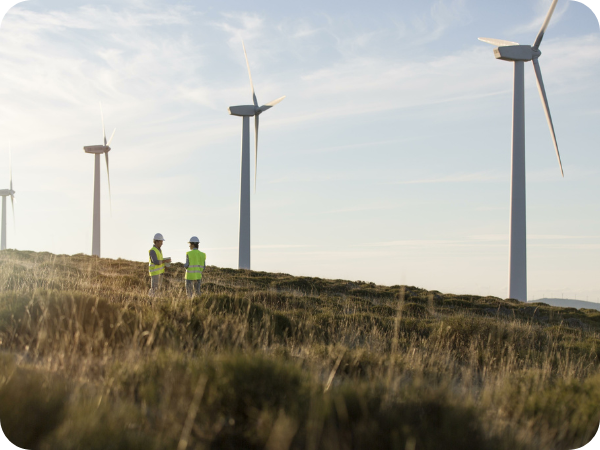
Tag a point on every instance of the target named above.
point(155, 259)
point(187, 261)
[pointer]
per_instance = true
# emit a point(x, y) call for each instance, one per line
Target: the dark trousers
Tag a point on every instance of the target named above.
point(193, 286)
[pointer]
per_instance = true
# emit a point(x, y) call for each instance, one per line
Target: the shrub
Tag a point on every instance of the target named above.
point(32, 403)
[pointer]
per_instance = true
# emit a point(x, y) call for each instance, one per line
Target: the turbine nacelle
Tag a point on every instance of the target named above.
point(516, 53)
point(244, 110)
point(251, 110)
point(96, 149)
point(6, 192)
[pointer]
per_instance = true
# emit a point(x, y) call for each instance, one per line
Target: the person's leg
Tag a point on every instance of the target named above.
point(153, 285)
point(198, 286)
point(189, 287)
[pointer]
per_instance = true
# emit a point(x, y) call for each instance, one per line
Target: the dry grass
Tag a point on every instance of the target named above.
point(275, 361)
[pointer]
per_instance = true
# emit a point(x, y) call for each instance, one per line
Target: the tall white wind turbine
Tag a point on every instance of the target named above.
point(6, 193)
point(97, 150)
point(247, 111)
point(518, 54)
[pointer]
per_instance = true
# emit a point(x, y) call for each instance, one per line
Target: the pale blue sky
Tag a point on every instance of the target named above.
point(388, 161)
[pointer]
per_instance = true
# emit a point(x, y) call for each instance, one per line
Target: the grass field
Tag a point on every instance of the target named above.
point(273, 361)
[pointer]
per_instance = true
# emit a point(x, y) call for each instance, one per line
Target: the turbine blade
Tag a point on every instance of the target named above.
point(542, 91)
point(12, 202)
point(103, 132)
point(255, 148)
point(498, 42)
point(10, 163)
point(250, 75)
point(108, 175)
point(270, 104)
point(540, 36)
point(12, 197)
point(111, 136)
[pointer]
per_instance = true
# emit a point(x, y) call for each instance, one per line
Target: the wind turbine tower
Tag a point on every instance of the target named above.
point(247, 111)
point(519, 54)
point(97, 150)
point(6, 193)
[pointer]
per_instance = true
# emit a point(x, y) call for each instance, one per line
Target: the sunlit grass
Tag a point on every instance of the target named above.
point(275, 361)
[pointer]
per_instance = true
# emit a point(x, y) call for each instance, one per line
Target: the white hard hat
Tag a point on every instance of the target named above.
point(158, 237)
point(194, 240)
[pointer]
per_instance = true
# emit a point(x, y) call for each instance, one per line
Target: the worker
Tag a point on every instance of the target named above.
point(195, 263)
point(156, 266)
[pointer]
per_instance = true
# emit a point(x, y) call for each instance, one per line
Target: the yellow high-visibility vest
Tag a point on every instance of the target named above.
point(156, 269)
point(197, 260)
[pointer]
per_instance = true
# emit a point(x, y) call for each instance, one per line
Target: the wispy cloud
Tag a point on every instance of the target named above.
point(446, 14)
point(263, 247)
point(535, 24)
point(530, 237)
point(554, 237)
point(491, 208)
point(488, 237)
point(312, 177)
point(459, 178)
point(415, 243)
point(241, 25)
point(298, 29)
point(361, 208)
point(569, 246)
point(280, 246)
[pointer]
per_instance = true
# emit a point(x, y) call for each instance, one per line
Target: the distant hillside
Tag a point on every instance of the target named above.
point(567, 303)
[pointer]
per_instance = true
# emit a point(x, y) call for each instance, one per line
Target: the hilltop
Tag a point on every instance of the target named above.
point(271, 360)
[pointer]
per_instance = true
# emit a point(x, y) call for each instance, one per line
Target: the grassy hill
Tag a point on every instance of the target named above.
point(274, 361)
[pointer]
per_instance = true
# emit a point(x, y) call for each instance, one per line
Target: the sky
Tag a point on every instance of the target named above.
point(387, 162)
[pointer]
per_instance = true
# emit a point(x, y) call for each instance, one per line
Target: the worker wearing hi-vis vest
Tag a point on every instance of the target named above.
point(156, 266)
point(195, 263)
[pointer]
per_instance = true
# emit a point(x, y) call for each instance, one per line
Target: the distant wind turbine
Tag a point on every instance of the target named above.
point(5, 193)
point(511, 51)
point(97, 150)
point(247, 111)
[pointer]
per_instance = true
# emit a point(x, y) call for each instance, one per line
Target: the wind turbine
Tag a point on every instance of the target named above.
point(511, 51)
point(247, 111)
point(97, 150)
point(5, 193)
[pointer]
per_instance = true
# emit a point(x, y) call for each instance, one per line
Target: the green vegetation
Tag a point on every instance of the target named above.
point(273, 361)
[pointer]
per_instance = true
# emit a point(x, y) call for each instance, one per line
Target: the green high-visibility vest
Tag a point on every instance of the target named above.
point(197, 260)
point(156, 269)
